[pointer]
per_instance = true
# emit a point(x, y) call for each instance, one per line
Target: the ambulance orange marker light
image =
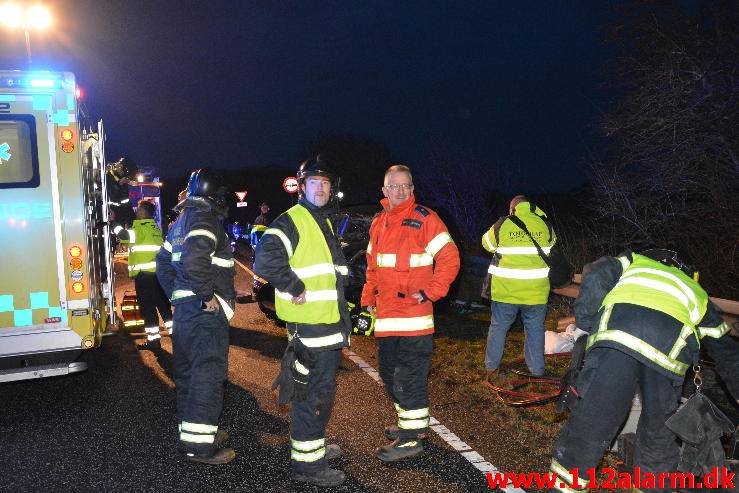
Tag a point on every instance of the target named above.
point(67, 134)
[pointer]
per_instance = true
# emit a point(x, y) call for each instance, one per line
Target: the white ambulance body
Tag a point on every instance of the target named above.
point(56, 283)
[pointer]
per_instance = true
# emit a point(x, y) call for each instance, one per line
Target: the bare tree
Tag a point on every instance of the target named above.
point(463, 190)
point(671, 175)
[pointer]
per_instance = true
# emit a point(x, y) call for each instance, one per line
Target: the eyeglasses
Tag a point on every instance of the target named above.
point(401, 186)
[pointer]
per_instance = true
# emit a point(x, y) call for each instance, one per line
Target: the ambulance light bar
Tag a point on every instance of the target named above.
point(40, 82)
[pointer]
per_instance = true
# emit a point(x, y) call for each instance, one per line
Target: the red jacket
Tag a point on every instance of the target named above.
point(409, 251)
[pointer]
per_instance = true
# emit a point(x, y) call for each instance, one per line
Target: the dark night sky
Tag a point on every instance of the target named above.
point(238, 84)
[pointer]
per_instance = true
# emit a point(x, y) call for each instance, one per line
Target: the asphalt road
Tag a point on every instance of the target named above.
point(114, 427)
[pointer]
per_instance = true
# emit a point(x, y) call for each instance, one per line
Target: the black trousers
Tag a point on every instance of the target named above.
point(200, 365)
point(607, 384)
point(151, 298)
point(308, 418)
point(405, 362)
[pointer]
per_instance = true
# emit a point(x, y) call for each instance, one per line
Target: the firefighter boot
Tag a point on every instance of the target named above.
point(392, 433)
point(333, 451)
point(326, 478)
point(220, 456)
point(400, 450)
point(220, 439)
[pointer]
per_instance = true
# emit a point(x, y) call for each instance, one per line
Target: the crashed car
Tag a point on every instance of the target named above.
point(351, 225)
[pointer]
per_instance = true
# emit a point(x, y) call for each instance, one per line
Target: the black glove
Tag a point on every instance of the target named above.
point(700, 424)
point(300, 375)
point(569, 398)
point(285, 379)
point(294, 373)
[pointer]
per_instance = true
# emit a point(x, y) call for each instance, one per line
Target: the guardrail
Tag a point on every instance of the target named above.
point(729, 308)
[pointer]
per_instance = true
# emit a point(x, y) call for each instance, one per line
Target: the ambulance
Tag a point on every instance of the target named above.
point(56, 277)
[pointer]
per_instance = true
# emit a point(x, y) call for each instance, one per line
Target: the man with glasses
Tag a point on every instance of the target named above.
point(411, 261)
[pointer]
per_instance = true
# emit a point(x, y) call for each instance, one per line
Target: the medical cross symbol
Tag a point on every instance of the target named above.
point(4, 154)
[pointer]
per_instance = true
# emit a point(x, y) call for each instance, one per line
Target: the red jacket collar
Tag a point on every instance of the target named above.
point(402, 208)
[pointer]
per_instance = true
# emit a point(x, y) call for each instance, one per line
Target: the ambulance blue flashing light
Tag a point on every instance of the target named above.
point(42, 83)
point(33, 83)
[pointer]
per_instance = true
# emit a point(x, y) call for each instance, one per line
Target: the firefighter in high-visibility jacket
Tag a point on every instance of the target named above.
point(648, 319)
point(411, 262)
point(144, 239)
point(519, 282)
point(196, 269)
point(300, 256)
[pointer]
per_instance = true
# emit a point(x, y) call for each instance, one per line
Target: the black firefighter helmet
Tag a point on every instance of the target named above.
point(209, 184)
point(672, 259)
point(125, 168)
point(321, 165)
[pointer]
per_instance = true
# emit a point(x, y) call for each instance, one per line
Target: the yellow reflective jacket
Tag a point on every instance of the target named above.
point(521, 276)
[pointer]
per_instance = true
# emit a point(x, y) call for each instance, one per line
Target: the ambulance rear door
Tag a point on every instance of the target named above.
point(34, 317)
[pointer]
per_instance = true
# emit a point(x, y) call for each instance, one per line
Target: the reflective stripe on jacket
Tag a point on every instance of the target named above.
point(410, 251)
point(650, 284)
point(196, 259)
point(521, 276)
point(311, 261)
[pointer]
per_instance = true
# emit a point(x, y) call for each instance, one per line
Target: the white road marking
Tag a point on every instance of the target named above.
point(453, 440)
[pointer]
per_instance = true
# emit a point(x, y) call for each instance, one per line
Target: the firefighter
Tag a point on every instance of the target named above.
point(144, 239)
point(519, 282)
point(196, 269)
point(300, 255)
point(648, 318)
point(117, 179)
point(411, 262)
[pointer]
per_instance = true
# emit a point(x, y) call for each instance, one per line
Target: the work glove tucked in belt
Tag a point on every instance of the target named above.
point(569, 397)
point(294, 373)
